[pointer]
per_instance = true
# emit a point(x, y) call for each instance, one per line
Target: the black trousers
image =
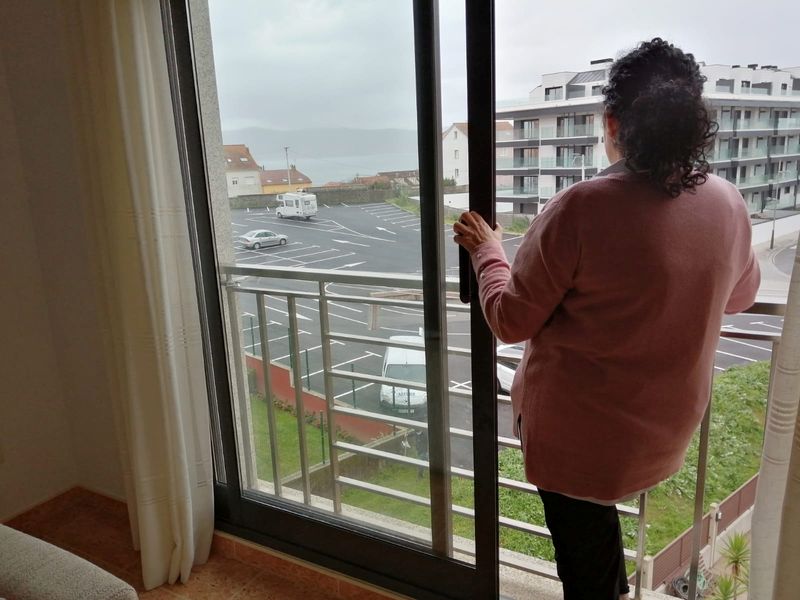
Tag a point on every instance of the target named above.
point(588, 542)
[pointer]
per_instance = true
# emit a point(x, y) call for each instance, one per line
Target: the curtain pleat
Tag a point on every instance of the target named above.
point(137, 214)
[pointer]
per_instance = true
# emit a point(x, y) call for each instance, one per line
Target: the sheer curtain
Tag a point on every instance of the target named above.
point(776, 515)
point(138, 217)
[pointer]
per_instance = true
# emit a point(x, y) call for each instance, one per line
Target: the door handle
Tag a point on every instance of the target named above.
point(464, 276)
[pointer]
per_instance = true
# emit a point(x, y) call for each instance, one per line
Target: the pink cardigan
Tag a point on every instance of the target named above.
point(619, 291)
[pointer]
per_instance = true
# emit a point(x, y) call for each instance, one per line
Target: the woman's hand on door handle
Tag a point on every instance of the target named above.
point(471, 230)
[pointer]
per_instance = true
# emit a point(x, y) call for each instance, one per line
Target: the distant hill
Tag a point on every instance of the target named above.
point(267, 144)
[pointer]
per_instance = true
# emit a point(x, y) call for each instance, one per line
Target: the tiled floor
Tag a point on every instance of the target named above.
point(96, 528)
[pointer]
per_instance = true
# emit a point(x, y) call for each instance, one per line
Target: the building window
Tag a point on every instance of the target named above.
point(455, 134)
point(235, 181)
point(745, 87)
point(455, 154)
point(784, 87)
point(597, 90)
point(455, 173)
point(553, 93)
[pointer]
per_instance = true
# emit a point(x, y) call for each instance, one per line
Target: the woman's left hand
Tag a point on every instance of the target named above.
point(471, 231)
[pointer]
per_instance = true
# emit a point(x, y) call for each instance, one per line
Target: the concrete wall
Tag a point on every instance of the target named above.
point(454, 141)
point(56, 423)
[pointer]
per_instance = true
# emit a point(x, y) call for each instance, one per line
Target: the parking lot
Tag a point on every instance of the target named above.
point(381, 238)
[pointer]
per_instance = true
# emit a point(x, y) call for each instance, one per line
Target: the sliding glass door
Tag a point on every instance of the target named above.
point(354, 427)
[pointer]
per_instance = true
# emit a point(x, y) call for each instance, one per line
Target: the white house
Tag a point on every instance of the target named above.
point(455, 153)
point(242, 173)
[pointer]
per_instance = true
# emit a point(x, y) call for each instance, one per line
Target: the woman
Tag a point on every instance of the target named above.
point(619, 288)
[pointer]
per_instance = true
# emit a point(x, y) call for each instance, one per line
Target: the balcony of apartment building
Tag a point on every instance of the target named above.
point(791, 150)
point(573, 132)
point(524, 135)
point(517, 165)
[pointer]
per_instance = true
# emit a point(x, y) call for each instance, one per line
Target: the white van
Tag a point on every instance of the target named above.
point(296, 204)
point(408, 365)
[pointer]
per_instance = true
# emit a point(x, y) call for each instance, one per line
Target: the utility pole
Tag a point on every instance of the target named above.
point(288, 170)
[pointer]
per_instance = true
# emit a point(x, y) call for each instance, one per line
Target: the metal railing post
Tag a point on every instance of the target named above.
point(330, 401)
point(250, 477)
point(267, 376)
point(298, 399)
point(700, 488)
point(641, 543)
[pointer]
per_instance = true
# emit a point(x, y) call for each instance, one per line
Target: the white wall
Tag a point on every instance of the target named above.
point(455, 140)
point(249, 182)
point(59, 425)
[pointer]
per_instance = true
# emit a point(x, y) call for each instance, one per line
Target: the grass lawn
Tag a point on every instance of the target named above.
point(737, 427)
point(288, 446)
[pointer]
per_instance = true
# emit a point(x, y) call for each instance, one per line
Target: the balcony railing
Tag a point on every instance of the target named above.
point(566, 162)
point(789, 123)
point(517, 162)
point(781, 151)
point(752, 153)
point(526, 133)
point(764, 179)
point(324, 292)
point(531, 191)
point(566, 131)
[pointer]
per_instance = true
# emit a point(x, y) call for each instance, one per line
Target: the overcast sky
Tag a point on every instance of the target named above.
point(300, 64)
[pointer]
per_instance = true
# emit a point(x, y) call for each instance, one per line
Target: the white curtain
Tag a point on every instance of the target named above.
point(787, 574)
point(137, 213)
point(772, 523)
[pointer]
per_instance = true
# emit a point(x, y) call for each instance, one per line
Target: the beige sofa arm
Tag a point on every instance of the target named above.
point(31, 569)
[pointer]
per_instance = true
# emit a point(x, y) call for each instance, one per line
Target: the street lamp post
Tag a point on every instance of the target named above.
point(774, 217)
point(583, 165)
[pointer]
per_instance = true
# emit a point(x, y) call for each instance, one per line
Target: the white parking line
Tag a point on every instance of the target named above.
point(747, 344)
point(350, 392)
point(277, 339)
point(345, 255)
point(466, 385)
point(764, 324)
point(401, 330)
point(747, 358)
point(344, 306)
point(347, 362)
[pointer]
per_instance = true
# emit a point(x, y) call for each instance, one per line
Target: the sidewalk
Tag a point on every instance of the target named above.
point(774, 282)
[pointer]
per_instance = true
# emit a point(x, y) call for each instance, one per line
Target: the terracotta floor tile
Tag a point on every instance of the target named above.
point(160, 593)
point(350, 591)
point(267, 586)
point(97, 535)
point(286, 569)
point(219, 578)
point(222, 546)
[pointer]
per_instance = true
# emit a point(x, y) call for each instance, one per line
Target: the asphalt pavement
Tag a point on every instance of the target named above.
point(380, 238)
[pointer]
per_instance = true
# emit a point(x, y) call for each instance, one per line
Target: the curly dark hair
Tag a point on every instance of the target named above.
point(656, 93)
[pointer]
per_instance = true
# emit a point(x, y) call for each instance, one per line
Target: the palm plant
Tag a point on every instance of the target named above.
point(737, 556)
point(726, 589)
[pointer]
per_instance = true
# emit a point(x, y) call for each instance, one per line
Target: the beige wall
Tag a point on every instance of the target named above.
point(56, 420)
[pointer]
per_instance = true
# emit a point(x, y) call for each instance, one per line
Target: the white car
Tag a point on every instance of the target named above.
point(407, 365)
point(508, 357)
point(261, 238)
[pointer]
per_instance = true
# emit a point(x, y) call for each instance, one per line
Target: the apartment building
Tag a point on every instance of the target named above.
point(557, 136)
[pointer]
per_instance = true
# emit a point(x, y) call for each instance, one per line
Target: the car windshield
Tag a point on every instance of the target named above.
point(415, 373)
point(252, 233)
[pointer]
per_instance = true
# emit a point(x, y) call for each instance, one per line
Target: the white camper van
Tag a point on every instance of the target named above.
point(296, 204)
point(407, 365)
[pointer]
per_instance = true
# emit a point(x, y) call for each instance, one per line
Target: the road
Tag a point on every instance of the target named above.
point(381, 238)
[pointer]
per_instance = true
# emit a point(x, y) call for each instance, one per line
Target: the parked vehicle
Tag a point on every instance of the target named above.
point(407, 365)
point(296, 204)
point(262, 238)
point(508, 357)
